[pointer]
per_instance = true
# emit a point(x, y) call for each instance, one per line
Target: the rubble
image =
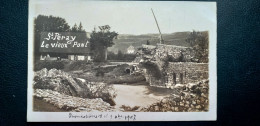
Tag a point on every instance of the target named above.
point(64, 83)
point(72, 103)
point(194, 99)
point(126, 108)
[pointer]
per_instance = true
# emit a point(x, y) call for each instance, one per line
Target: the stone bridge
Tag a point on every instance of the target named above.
point(168, 65)
point(179, 73)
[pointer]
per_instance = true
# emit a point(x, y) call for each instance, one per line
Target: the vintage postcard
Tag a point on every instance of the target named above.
point(121, 61)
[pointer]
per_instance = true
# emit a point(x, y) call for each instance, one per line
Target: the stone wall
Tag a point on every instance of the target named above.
point(185, 72)
point(179, 73)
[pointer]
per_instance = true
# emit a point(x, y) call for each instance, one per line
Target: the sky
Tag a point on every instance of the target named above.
point(131, 17)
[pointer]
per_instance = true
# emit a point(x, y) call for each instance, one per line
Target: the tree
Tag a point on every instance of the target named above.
point(45, 24)
point(120, 55)
point(74, 28)
point(80, 28)
point(200, 43)
point(77, 28)
point(148, 42)
point(101, 40)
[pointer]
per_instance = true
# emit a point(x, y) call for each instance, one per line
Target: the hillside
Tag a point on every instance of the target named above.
point(125, 40)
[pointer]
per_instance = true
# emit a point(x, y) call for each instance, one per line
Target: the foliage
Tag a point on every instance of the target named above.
point(120, 56)
point(200, 43)
point(148, 42)
point(100, 40)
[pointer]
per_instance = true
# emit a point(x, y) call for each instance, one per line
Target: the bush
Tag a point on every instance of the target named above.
point(48, 65)
point(77, 65)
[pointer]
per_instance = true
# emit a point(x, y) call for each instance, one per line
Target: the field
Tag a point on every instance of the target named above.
point(124, 40)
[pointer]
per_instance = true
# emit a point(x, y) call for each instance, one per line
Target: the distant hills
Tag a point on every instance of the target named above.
point(125, 40)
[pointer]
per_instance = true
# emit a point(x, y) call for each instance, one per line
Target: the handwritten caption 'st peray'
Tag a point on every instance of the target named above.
point(125, 117)
point(63, 40)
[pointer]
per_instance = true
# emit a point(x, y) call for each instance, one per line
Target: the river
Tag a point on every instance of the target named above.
point(138, 95)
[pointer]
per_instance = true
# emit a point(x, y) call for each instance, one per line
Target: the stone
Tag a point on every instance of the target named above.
point(192, 95)
point(164, 100)
point(181, 109)
point(173, 103)
point(179, 86)
point(202, 100)
point(181, 104)
point(198, 107)
point(191, 86)
point(198, 101)
point(139, 109)
point(156, 108)
point(82, 108)
point(176, 109)
point(203, 95)
point(165, 105)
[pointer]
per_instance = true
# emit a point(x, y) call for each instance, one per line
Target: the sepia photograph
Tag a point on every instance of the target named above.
point(121, 61)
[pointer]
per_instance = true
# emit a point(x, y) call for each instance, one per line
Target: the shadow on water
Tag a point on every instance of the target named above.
point(160, 91)
point(144, 83)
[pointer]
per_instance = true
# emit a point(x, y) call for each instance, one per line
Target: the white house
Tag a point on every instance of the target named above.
point(130, 50)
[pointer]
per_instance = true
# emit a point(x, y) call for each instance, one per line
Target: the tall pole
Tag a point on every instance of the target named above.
point(161, 41)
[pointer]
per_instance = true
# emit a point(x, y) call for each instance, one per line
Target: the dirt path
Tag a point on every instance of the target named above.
point(138, 95)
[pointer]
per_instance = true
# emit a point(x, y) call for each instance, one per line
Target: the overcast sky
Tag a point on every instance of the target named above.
point(131, 17)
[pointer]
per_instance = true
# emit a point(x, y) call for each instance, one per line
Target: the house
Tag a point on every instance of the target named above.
point(79, 57)
point(130, 50)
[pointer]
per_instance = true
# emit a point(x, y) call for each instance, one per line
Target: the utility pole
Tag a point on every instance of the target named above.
point(161, 38)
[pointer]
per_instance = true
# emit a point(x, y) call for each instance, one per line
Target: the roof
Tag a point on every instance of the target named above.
point(64, 42)
point(131, 47)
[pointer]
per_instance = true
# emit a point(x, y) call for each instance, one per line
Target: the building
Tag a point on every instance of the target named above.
point(79, 57)
point(130, 50)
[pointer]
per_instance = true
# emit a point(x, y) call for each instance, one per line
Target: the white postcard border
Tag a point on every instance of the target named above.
point(211, 115)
